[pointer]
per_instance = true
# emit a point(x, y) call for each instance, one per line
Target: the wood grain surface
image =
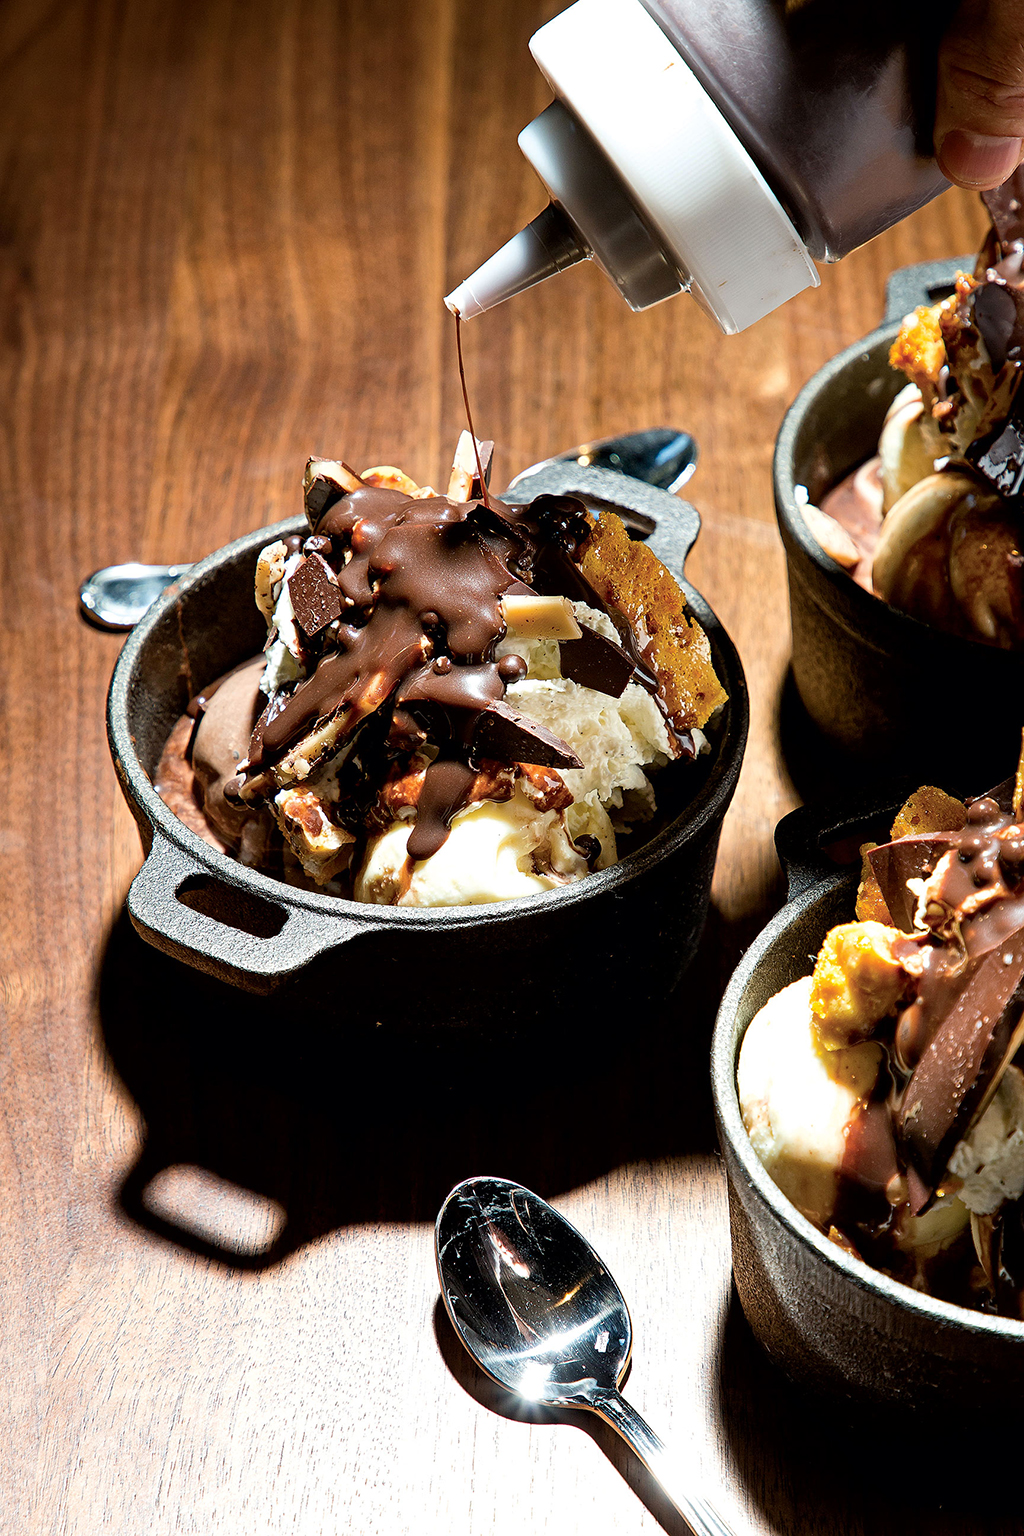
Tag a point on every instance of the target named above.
point(225, 229)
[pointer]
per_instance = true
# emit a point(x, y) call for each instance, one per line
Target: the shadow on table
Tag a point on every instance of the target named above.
point(801, 1457)
point(269, 1123)
point(494, 1398)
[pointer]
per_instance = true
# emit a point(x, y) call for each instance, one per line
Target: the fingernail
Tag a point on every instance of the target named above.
point(978, 159)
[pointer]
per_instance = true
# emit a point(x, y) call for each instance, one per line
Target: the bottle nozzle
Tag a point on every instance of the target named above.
point(547, 245)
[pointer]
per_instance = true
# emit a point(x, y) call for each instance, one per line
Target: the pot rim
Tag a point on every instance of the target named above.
point(709, 803)
point(867, 608)
point(732, 1133)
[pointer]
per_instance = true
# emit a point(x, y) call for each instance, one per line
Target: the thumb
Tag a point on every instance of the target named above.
point(979, 114)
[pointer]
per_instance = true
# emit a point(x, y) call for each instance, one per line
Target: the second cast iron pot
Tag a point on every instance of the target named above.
point(831, 1322)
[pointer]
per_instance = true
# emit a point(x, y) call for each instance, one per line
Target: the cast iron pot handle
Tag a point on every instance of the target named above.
point(671, 526)
point(924, 283)
point(219, 946)
point(799, 837)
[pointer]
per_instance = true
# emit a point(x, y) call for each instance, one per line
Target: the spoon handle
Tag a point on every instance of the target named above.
point(663, 1467)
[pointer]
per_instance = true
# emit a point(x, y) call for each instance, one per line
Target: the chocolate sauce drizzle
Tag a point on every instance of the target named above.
point(398, 605)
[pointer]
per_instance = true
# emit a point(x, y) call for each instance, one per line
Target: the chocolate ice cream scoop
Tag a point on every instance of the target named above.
point(227, 714)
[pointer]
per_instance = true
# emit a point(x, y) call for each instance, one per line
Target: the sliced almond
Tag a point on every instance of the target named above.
point(391, 479)
point(464, 466)
point(528, 617)
point(269, 571)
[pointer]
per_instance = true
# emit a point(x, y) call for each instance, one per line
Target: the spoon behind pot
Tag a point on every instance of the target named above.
point(539, 1312)
point(117, 596)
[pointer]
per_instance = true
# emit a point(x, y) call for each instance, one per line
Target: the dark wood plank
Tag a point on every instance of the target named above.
point(226, 227)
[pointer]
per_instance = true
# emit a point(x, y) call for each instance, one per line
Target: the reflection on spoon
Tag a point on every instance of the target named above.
point(117, 596)
point(538, 1311)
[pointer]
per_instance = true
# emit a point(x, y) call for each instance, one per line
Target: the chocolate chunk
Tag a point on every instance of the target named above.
point(1005, 206)
point(908, 858)
point(503, 733)
point(595, 662)
point(314, 594)
point(996, 316)
point(1000, 457)
point(962, 1065)
point(324, 483)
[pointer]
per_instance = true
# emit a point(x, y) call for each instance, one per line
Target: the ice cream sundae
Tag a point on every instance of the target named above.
point(459, 699)
point(884, 1092)
point(933, 523)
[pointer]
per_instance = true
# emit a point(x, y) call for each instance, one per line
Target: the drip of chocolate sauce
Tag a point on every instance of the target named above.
point(469, 414)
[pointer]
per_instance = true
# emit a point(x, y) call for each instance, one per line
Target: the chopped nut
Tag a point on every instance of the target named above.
point(545, 787)
point(539, 618)
point(321, 847)
point(857, 981)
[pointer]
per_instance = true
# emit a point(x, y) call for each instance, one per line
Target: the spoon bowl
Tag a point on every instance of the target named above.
point(528, 1296)
point(538, 1311)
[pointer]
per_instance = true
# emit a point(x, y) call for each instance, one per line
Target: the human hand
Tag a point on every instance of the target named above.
point(979, 116)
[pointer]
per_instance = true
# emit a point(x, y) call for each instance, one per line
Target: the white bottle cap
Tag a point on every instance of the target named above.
point(646, 176)
point(685, 169)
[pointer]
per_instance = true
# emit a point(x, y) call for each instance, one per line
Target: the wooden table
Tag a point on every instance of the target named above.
point(225, 227)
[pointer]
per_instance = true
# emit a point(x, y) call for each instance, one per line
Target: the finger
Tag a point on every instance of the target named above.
point(979, 117)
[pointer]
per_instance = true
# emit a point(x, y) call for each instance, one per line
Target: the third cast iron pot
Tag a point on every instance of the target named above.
point(603, 949)
point(886, 689)
point(827, 1319)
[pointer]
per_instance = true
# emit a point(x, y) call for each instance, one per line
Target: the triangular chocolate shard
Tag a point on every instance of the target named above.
point(998, 312)
point(1005, 206)
point(503, 733)
point(961, 1067)
point(908, 858)
point(596, 662)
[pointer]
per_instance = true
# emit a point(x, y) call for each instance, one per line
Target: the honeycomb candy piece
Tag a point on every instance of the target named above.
point(871, 907)
point(919, 350)
point(857, 981)
point(629, 576)
point(929, 810)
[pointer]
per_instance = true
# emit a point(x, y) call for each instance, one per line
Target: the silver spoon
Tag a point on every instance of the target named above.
point(538, 1311)
point(117, 596)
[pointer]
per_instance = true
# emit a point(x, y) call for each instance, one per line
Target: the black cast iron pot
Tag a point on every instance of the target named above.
point(827, 1319)
point(602, 948)
point(885, 688)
